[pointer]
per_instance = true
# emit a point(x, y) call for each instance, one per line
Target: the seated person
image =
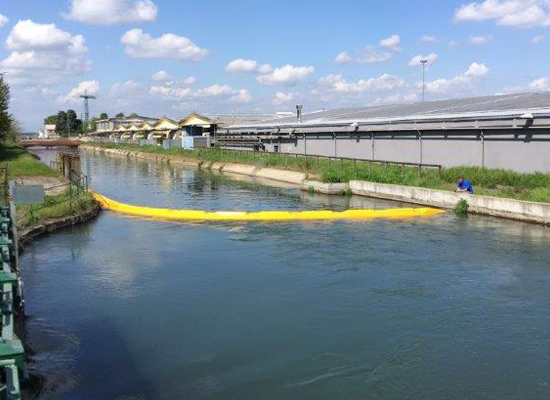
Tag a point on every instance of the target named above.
point(464, 185)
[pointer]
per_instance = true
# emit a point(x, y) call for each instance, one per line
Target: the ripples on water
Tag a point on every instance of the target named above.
point(126, 308)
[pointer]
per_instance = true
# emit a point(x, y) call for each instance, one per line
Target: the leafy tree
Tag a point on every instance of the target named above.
point(120, 115)
point(50, 120)
point(61, 123)
point(15, 131)
point(93, 123)
point(103, 116)
point(5, 117)
point(134, 115)
point(75, 124)
point(68, 123)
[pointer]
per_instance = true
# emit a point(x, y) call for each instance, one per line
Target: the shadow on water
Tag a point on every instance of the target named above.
point(59, 355)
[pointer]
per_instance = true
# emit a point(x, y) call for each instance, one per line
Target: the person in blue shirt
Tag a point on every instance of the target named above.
point(464, 185)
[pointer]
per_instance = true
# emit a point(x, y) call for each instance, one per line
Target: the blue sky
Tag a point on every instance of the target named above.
point(322, 54)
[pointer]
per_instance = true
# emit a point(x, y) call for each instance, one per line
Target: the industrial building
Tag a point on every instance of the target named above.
point(193, 125)
point(507, 131)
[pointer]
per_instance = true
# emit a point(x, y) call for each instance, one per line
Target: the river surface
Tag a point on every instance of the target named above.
point(124, 308)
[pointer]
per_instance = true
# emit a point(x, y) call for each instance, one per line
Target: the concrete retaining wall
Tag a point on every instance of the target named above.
point(325, 188)
point(494, 206)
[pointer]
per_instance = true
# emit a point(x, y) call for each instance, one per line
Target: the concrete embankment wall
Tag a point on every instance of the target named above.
point(486, 205)
point(29, 234)
point(495, 206)
point(242, 169)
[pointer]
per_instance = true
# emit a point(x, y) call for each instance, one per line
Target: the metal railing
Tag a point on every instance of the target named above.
point(314, 160)
point(78, 179)
point(73, 195)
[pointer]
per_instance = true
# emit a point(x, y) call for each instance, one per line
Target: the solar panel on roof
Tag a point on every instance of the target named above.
point(476, 105)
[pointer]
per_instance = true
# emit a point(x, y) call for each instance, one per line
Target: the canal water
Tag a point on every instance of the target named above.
point(125, 308)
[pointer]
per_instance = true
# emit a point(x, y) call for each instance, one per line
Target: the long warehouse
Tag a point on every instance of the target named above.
point(507, 131)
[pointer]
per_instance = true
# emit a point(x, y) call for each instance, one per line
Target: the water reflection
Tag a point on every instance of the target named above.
point(424, 308)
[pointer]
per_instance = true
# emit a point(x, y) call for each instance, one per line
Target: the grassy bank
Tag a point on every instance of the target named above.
point(69, 203)
point(490, 182)
point(21, 163)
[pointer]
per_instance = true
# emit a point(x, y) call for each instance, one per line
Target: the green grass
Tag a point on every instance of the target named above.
point(54, 207)
point(488, 182)
point(21, 163)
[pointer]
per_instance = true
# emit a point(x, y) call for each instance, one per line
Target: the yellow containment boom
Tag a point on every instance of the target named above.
point(197, 215)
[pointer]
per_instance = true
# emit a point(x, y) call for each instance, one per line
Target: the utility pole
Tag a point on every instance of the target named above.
point(86, 97)
point(423, 79)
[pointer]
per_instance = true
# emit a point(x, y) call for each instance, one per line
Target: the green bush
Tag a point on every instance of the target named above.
point(462, 207)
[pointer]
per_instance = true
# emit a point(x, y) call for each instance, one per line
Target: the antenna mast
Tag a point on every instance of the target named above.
point(86, 97)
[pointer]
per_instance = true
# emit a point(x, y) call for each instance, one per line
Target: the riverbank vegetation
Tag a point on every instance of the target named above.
point(22, 163)
point(71, 202)
point(489, 182)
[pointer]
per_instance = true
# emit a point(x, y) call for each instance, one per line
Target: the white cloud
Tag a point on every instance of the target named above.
point(370, 56)
point(395, 99)
point(393, 42)
point(3, 20)
point(190, 80)
point(84, 87)
point(265, 69)
point(416, 60)
point(429, 39)
point(170, 92)
point(180, 91)
point(459, 82)
point(385, 82)
point(142, 45)
point(107, 12)
point(43, 53)
point(28, 35)
point(286, 75)
point(343, 58)
point(281, 97)
point(241, 97)
point(248, 66)
point(514, 13)
point(161, 76)
point(540, 84)
point(479, 40)
point(215, 90)
point(476, 69)
point(242, 65)
point(453, 43)
point(538, 39)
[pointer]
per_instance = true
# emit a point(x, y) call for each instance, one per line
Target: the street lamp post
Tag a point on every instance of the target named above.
point(423, 62)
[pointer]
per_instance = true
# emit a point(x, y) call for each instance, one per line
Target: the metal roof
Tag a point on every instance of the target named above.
point(503, 107)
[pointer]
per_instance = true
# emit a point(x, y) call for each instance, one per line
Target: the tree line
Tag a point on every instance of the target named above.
point(9, 127)
point(66, 122)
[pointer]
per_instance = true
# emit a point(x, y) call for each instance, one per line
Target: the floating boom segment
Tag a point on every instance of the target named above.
point(315, 215)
